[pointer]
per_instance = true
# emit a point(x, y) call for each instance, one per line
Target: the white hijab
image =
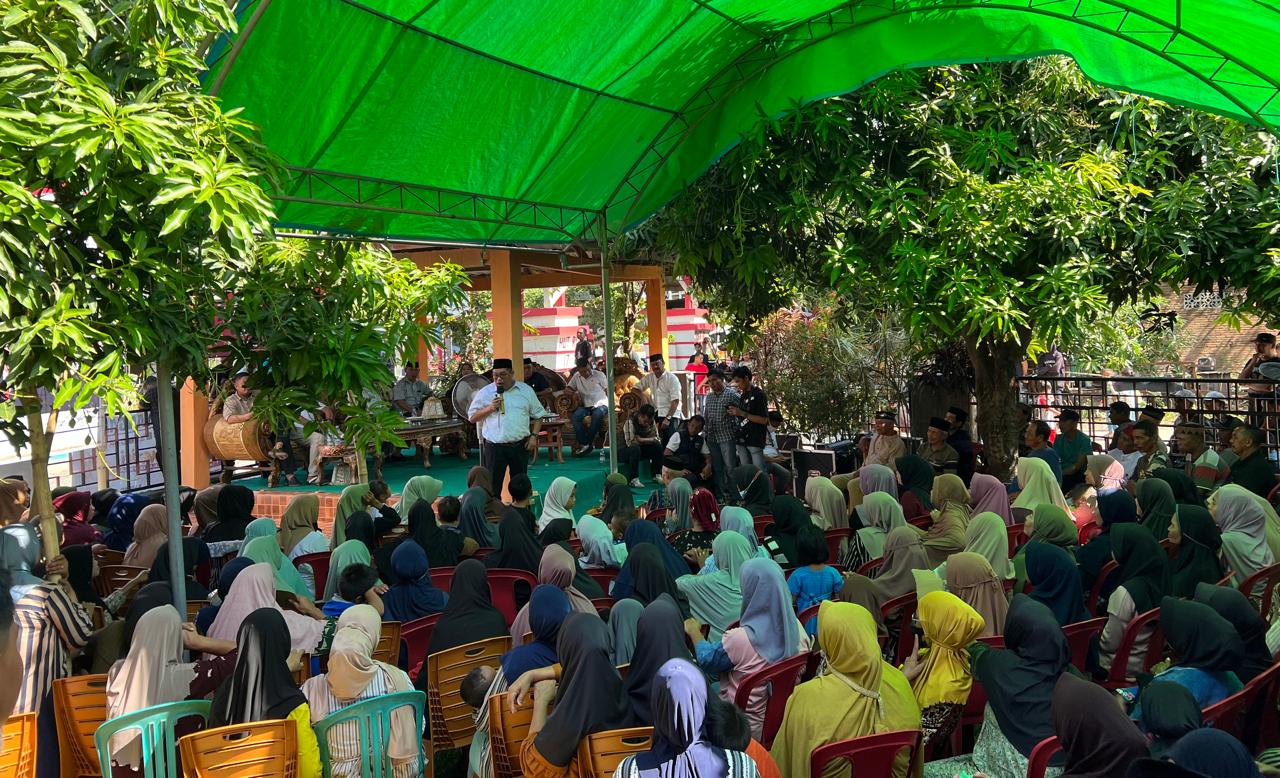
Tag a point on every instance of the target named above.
point(152, 673)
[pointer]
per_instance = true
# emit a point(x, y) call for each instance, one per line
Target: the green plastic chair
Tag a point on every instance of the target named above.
point(373, 723)
point(159, 743)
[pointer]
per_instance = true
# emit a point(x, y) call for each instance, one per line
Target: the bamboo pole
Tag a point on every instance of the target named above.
point(168, 438)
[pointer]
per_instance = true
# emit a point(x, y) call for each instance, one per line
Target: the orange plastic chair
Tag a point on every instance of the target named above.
point(262, 748)
point(18, 754)
point(1118, 677)
point(502, 587)
point(1095, 592)
point(1015, 537)
point(452, 721)
point(319, 562)
point(507, 732)
point(600, 754)
point(442, 578)
point(905, 605)
point(834, 538)
point(388, 648)
point(113, 577)
point(781, 678)
point(80, 707)
point(415, 636)
point(871, 754)
point(872, 567)
point(1038, 762)
point(1268, 578)
point(1079, 635)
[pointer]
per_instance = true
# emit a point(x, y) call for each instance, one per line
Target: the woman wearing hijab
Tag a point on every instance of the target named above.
point(299, 531)
point(420, 487)
point(1196, 540)
point(205, 509)
point(444, 549)
point(716, 599)
point(987, 535)
point(235, 511)
point(647, 577)
point(255, 589)
point(1050, 524)
point(548, 608)
point(860, 694)
point(354, 498)
point(360, 528)
point(647, 533)
point(265, 549)
point(916, 476)
point(624, 621)
point(789, 516)
point(1038, 486)
point(194, 551)
point(226, 577)
point(258, 528)
point(352, 552)
point(660, 636)
point(1234, 606)
point(940, 676)
point(704, 515)
point(830, 511)
point(412, 595)
point(469, 615)
point(1103, 475)
point(588, 698)
point(680, 741)
point(559, 502)
point(354, 676)
point(480, 478)
point(74, 507)
point(904, 552)
point(970, 577)
point(872, 479)
point(988, 495)
point(679, 511)
point(474, 523)
point(1144, 579)
point(1114, 508)
point(1206, 653)
point(1156, 506)
point(1212, 753)
point(705, 510)
point(1095, 736)
point(1053, 573)
point(617, 496)
point(1019, 682)
point(261, 686)
point(1185, 491)
point(735, 519)
point(1241, 516)
point(121, 517)
point(597, 544)
point(1169, 711)
point(518, 549)
point(556, 569)
point(946, 535)
point(754, 490)
point(881, 515)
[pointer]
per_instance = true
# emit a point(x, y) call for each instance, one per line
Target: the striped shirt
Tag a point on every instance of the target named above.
point(50, 626)
point(739, 766)
point(344, 739)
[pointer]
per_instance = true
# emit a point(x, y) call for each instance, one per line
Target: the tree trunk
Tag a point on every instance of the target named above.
point(41, 493)
point(996, 389)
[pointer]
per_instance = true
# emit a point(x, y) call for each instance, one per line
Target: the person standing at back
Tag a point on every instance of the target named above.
point(753, 413)
point(663, 390)
point(722, 430)
point(508, 416)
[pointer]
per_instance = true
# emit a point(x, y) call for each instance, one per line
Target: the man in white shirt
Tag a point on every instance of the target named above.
point(503, 412)
point(663, 389)
point(592, 389)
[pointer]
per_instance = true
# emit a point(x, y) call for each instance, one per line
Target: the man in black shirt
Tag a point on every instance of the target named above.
point(583, 350)
point(536, 381)
point(753, 410)
point(1253, 469)
point(959, 440)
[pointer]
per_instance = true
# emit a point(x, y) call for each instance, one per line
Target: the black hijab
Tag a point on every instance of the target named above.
point(192, 551)
point(261, 687)
point(153, 595)
point(659, 637)
point(1184, 489)
point(789, 517)
point(360, 527)
point(1199, 636)
point(518, 549)
point(469, 615)
point(1169, 711)
point(590, 697)
point(1098, 738)
point(442, 547)
point(647, 533)
point(754, 489)
point(650, 579)
point(1114, 508)
point(1144, 565)
point(618, 499)
point(1197, 559)
point(80, 573)
point(1232, 605)
point(235, 511)
point(1019, 679)
point(556, 531)
point(917, 477)
point(102, 500)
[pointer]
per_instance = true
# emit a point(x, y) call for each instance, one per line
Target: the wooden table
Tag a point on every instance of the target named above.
point(420, 436)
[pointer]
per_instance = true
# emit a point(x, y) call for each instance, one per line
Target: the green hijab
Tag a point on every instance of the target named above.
point(716, 598)
point(258, 528)
point(420, 487)
point(351, 501)
point(988, 535)
point(1052, 525)
point(351, 552)
point(1144, 565)
point(1155, 499)
point(266, 549)
point(1197, 558)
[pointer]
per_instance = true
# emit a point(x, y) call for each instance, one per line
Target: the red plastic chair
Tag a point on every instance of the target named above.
point(1038, 763)
point(762, 523)
point(1119, 678)
point(834, 538)
point(781, 677)
point(657, 515)
point(871, 754)
point(1015, 538)
point(1228, 715)
point(603, 576)
point(871, 567)
point(1265, 718)
point(1269, 578)
point(415, 636)
point(905, 605)
point(442, 578)
point(1095, 592)
point(319, 568)
point(576, 545)
point(483, 552)
point(808, 613)
point(502, 587)
point(994, 641)
point(603, 604)
point(1079, 636)
point(923, 522)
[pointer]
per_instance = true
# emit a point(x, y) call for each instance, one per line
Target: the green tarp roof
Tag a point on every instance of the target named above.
point(521, 120)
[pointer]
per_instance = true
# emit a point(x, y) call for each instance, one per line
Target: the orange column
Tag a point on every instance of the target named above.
point(508, 307)
point(655, 302)
point(193, 411)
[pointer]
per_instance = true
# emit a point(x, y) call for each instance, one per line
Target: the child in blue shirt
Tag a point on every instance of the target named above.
point(813, 580)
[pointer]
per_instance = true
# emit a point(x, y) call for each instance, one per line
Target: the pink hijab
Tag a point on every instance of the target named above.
point(986, 493)
point(255, 588)
point(150, 532)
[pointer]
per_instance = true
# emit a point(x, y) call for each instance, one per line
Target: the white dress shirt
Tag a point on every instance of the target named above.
point(663, 390)
point(591, 389)
point(520, 404)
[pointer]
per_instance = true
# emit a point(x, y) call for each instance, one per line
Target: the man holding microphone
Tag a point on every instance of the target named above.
point(503, 412)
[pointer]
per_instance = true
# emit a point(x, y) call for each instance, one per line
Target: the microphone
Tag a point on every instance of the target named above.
point(501, 404)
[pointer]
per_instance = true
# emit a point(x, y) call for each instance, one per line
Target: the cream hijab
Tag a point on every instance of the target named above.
point(1039, 485)
point(352, 668)
point(152, 673)
point(828, 503)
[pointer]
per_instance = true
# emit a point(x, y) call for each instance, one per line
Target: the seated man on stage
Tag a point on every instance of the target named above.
point(688, 455)
point(641, 440)
point(592, 389)
point(238, 408)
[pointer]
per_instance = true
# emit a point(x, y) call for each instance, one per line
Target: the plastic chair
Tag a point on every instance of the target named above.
point(1263, 720)
point(603, 576)
point(905, 605)
point(193, 607)
point(415, 636)
point(18, 753)
point(452, 720)
point(113, 577)
point(388, 648)
point(1079, 635)
point(1015, 538)
point(974, 709)
point(834, 538)
point(159, 743)
point(1268, 578)
point(576, 545)
point(603, 604)
point(1038, 762)
point(781, 678)
point(600, 754)
point(80, 707)
point(993, 641)
point(483, 552)
point(260, 748)
point(1228, 715)
point(502, 587)
point(507, 732)
point(1108, 570)
point(319, 562)
point(442, 578)
point(657, 515)
point(762, 523)
point(107, 556)
point(871, 567)
point(1118, 678)
point(373, 731)
point(871, 754)
point(808, 613)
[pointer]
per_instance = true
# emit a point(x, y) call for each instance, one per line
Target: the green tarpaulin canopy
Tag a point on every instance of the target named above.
point(524, 120)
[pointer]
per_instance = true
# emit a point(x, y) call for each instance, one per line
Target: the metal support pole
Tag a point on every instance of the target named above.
point(608, 342)
point(169, 466)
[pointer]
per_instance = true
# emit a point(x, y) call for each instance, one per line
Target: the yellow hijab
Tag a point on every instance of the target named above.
point(860, 694)
point(950, 625)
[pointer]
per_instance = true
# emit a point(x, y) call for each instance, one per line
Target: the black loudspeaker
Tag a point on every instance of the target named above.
point(809, 463)
point(848, 456)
